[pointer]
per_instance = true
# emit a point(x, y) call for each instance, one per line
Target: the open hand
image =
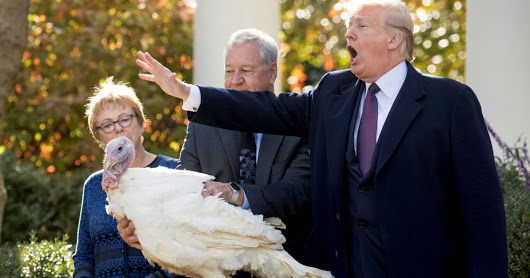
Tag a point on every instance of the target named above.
point(162, 76)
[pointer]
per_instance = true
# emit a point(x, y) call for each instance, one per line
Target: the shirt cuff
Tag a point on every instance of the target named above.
point(246, 204)
point(194, 100)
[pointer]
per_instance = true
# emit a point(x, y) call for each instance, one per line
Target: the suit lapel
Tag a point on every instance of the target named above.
point(267, 152)
point(232, 143)
point(339, 112)
point(401, 115)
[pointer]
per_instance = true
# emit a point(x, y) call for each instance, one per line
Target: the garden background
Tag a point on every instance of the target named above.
point(56, 51)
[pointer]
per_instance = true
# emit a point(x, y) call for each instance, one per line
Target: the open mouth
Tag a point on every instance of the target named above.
point(353, 53)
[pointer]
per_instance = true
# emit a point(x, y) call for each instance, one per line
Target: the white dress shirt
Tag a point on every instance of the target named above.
point(390, 84)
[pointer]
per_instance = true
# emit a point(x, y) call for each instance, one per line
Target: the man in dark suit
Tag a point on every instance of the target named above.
point(403, 177)
point(281, 184)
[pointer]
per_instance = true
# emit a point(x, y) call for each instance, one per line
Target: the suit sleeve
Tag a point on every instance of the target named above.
point(288, 196)
point(479, 190)
point(286, 114)
point(189, 158)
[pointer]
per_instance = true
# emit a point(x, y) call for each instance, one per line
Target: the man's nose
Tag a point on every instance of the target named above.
point(237, 78)
point(350, 34)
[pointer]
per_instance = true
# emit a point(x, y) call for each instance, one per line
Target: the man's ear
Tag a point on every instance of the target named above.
point(274, 72)
point(395, 40)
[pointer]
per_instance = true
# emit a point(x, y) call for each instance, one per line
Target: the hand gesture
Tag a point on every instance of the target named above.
point(166, 80)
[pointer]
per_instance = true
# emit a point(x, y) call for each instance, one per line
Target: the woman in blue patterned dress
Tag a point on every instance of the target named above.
point(113, 111)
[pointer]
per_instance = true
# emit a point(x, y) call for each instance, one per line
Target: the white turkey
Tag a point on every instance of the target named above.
point(186, 233)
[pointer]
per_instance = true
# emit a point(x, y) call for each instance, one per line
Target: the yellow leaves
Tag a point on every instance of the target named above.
point(154, 137)
point(146, 42)
point(50, 59)
point(64, 76)
point(27, 63)
point(76, 52)
point(76, 133)
point(329, 62)
point(35, 30)
point(285, 47)
point(186, 62)
point(174, 145)
point(73, 24)
point(46, 151)
point(297, 79)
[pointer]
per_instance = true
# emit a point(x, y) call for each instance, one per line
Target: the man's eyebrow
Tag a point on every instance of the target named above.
point(360, 17)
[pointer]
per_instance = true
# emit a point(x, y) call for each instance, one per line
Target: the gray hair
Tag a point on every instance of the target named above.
point(268, 49)
point(395, 19)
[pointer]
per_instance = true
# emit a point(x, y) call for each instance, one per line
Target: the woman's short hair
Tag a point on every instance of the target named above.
point(268, 49)
point(112, 93)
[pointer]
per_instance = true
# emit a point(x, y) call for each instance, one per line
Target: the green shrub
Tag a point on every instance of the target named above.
point(36, 201)
point(517, 204)
point(37, 259)
point(9, 261)
point(515, 181)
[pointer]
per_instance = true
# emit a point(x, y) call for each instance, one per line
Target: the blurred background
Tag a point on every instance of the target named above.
point(64, 48)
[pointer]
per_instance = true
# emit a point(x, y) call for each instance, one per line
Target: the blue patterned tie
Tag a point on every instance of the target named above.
point(247, 159)
point(366, 136)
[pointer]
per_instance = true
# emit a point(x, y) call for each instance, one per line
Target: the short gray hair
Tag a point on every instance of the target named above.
point(396, 18)
point(268, 49)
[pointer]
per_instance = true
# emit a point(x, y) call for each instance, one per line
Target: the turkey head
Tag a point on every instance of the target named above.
point(119, 155)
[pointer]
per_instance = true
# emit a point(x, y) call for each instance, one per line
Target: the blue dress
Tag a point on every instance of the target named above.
point(100, 251)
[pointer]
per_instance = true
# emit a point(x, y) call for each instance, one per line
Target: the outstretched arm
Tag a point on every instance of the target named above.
point(162, 76)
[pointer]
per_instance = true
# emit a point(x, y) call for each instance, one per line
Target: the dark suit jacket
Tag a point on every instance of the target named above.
point(282, 176)
point(438, 198)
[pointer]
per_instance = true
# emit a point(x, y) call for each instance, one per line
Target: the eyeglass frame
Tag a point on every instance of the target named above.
point(117, 122)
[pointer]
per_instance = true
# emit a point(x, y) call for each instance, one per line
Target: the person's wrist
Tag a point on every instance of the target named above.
point(236, 189)
point(185, 88)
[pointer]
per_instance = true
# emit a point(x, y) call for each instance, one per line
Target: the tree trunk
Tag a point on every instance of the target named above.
point(13, 37)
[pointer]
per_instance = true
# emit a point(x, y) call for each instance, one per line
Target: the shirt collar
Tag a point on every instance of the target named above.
point(392, 81)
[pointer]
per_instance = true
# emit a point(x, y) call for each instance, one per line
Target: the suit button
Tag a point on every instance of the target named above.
point(338, 216)
point(362, 224)
point(361, 189)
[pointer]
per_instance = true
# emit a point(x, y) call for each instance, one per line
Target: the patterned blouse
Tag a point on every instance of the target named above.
point(100, 251)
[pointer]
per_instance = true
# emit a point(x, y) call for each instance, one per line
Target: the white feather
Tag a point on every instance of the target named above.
point(199, 237)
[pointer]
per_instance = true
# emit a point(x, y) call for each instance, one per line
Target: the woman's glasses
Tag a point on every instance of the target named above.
point(124, 121)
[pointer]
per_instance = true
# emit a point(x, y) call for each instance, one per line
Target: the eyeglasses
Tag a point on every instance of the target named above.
point(124, 121)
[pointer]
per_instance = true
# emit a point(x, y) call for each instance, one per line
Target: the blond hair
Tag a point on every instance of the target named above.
point(107, 93)
point(395, 19)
